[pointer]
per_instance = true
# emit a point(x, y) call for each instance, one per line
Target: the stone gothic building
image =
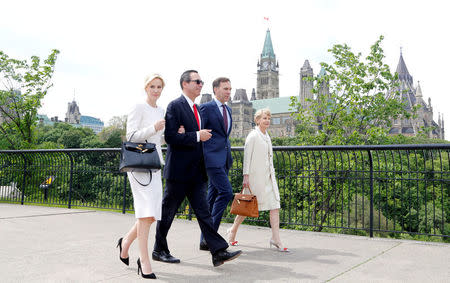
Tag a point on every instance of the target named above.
point(267, 95)
point(74, 118)
point(73, 114)
point(412, 96)
point(267, 85)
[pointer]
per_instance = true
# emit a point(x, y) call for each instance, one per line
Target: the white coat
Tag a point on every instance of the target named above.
point(258, 164)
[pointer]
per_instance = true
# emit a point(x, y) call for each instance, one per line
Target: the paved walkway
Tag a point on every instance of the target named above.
point(44, 244)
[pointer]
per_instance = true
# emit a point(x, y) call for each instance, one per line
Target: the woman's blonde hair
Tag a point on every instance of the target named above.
point(261, 112)
point(151, 77)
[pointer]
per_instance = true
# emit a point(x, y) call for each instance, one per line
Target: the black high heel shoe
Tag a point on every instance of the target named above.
point(146, 276)
point(124, 260)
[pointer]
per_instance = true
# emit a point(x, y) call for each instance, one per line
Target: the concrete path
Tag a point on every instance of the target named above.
point(44, 244)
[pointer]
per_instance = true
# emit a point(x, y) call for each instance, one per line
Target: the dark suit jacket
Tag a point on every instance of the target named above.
point(217, 149)
point(184, 158)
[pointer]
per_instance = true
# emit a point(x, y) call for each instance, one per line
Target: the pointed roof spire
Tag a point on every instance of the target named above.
point(306, 64)
point(418, 90)
point(253, 95)
point(240, 94)
point(306, 69)
point(402, 71)
point(267, 49)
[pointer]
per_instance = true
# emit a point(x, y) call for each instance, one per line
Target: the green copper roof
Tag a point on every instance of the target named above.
point(268, 49)
point(90, 120)
point(45, 119)
point(275, 105)
point(322, 72)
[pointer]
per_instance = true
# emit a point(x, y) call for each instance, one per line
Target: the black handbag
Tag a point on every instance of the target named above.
point(139, 157)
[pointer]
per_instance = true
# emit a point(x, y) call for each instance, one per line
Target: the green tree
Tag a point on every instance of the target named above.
point(355, 103)
point(114, 140)
point(360, 104)
point(113, 135)
point(77, 138)
point(47, 133)
point(23, 86)
point(62, 135)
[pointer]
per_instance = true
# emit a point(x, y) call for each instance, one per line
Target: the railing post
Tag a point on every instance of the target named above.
point(24, 185)
point(124, 192)
point(371, 194)
point(190, 212)
point(70, 180)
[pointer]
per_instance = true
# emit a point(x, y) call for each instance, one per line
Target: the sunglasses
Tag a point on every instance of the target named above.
point(197, 81)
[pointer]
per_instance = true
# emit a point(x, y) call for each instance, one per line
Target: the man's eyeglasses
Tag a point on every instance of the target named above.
point(197, 81)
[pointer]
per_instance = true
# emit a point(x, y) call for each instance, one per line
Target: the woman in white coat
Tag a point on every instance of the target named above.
point(145, 123)
point(259, 175)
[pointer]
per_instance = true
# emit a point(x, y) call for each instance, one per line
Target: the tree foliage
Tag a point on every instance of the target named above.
point(62, 135)
point(113, 135)
point(360, 104)
point(23, 84)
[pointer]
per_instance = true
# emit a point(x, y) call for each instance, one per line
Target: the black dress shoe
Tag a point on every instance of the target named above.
point(204, 246)
point(164, 257)
point(220, 257)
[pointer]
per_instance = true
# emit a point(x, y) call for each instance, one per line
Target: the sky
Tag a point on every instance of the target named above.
point(108, 47)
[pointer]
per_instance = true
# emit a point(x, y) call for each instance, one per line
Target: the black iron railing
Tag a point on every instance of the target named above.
point(352, 189)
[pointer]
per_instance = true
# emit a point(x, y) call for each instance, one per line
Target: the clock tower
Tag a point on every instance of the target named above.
point(267, 85)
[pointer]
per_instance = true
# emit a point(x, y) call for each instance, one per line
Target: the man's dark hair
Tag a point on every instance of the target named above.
point(219, 80)
point(186, 77)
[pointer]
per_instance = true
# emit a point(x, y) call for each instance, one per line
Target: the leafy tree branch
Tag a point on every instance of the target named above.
point(23, 86)
point(361, 100)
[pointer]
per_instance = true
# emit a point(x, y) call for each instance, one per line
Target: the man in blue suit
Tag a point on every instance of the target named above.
point(185, 172)
point(216, 116)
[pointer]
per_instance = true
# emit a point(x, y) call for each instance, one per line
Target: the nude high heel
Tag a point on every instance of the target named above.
point(231, 243)
point(277, 246)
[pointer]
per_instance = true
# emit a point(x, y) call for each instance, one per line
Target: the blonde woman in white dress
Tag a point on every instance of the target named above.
point(259, 175)
point(145, 123)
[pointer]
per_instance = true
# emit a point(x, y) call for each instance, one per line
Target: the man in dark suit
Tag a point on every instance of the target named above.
point(185, 172)
point(216, 116)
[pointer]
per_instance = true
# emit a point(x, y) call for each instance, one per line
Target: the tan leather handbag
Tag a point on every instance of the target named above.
point(245, 204)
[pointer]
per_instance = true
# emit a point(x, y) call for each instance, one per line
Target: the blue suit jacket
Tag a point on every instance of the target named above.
point(184, 158)
point(217, 150)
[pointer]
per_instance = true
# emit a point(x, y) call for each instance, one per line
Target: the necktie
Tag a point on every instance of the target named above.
point(225, 117)
point(196, 116)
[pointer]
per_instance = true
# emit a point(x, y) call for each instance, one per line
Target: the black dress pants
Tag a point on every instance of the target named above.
point(173, 197)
